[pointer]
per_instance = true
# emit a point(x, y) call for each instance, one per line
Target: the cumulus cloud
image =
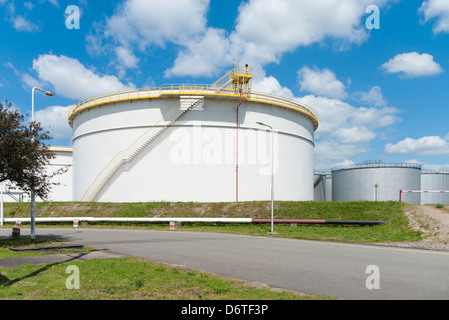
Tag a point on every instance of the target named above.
point(126, 57)
point(412, 65)
point(138, 24)
point(71, 79)
point(437, 10)
point(321, 82)
point(203, 55)
point(266, 29)
point(270, 85)
point(430, 145)
point(373, 98)
point(346, 131)
point(338, 115)
point(145, 22)
point(54, 120)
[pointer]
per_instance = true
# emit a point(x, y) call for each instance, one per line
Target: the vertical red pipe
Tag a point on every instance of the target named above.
point(237, 154)
point(400, 195)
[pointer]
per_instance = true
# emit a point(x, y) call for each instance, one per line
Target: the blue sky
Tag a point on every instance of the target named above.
point(381, 94)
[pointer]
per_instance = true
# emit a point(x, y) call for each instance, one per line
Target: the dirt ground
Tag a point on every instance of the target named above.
point(433, 222)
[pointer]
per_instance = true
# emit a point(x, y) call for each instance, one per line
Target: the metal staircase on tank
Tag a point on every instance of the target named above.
point(141, 143)
point(237, 81)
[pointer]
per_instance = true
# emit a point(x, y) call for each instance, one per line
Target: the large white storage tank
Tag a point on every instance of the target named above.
point(358, 182)
point(435, 181)
point(198, 143)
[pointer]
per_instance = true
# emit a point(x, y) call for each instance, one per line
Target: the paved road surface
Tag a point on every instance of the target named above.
point(333, 269)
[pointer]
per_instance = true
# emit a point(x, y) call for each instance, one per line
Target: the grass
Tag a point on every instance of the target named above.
point(396, 230)
point(129, 279)
point(137, 279)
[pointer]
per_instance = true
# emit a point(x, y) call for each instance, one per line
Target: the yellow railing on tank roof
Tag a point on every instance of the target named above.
point(189, 89)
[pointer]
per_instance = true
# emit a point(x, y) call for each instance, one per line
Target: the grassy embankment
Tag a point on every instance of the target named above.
point(396, 230)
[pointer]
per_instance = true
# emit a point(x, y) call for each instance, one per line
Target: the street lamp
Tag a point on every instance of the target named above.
point(272, 174)
point(33, 196)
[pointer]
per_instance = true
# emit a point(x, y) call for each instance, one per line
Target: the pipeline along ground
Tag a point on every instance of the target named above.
point(407, 224)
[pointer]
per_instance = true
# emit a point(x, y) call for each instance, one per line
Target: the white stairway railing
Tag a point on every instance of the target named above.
point(141, 143)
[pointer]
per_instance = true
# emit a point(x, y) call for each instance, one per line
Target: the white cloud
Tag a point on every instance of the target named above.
point(18, 22)
point(336, 114)
point(138, 24)
point(72, 79)
point(53, 2)
point(126, 57)
point(438, 10)
point(430, 145)
point(355, 135)
point(346, 131)
point(373, 98)
point(266, 29)
point(28, 80)
point(28, 5)
point(321, 82)
point(332, 153)
point(203, 55)
point(21, 24)
point(145, 22)
point(270, 85)
point(286, 24)
point(54, 120)
point(375, 117)
point(412, 65)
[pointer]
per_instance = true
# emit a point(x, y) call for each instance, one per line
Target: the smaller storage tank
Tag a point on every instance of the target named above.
point(322, 186)
point(376, 181)
point(60, 168)
point(435, 181)
point(60, 171)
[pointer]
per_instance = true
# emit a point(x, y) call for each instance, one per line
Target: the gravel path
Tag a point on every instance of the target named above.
point(433, 222)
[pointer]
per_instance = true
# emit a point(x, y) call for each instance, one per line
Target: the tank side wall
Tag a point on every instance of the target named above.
point(195, 159)
point(435, 182)
point(359, 184)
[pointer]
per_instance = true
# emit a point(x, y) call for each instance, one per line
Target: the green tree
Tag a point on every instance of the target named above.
point(24, 153)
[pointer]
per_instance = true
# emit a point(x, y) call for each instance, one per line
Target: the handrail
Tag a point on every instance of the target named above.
point(378, 165)
point(200, 89)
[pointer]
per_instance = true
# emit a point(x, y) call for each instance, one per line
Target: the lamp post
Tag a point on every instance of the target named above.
point(33, 196)
point(272, 175)
point(1, 209)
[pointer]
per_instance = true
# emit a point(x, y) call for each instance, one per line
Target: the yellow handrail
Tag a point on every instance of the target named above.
point(188, 89)
point(218, 88)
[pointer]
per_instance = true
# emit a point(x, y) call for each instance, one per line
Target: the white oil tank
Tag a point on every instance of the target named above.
point(200, 143)
point(435, 181)
point(376, 181)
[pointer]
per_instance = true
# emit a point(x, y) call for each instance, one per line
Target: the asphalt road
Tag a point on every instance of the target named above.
point(323, 268)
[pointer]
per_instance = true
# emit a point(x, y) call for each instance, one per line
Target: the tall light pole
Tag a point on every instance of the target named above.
point(1, 208)
point(272, 175)
point(33, 196)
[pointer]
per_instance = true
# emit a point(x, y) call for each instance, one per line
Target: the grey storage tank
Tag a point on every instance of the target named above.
point(435, 181)
point(376, 181)
point(322, 186)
